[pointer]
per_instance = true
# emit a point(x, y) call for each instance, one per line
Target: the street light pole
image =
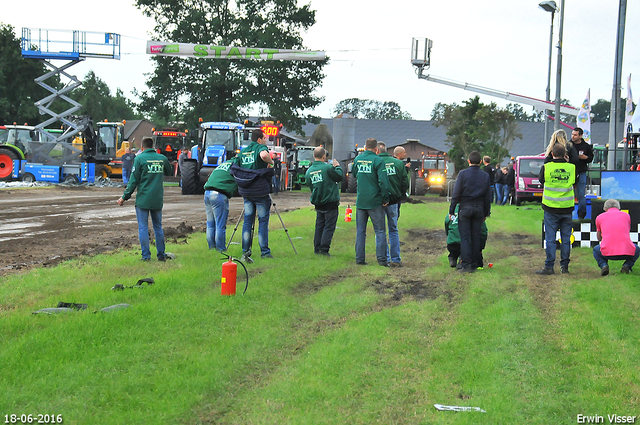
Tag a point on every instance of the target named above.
point(549, 6)
point(615, 96)
point(556, 121)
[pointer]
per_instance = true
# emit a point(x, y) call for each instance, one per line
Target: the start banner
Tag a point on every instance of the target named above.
point(208, 51)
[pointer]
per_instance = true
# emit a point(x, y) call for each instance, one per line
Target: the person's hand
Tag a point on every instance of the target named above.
point(582, 156)
point(384, 205)
point(120, 201)
point(335, 162)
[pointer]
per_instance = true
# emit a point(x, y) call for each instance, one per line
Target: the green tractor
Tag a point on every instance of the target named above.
point(300, 159)
point(14, 140)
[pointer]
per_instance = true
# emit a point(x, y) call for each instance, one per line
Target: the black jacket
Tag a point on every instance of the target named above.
point(489, 170)
point(252, 183)
point(473, 187)
point(573, 156)
point(583, 164)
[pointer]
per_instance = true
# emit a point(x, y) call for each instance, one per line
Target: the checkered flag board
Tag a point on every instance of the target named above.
point(585, 235)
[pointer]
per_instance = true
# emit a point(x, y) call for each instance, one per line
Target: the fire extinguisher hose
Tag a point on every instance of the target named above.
point(246, 273)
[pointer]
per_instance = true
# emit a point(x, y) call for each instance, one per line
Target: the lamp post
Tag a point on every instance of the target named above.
point(549, 6)
point(556, 121)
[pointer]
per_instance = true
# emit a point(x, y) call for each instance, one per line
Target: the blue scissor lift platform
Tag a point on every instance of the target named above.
point(74, 47)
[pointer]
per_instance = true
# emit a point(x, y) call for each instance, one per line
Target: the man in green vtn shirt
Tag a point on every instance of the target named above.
point(558, 178)
point(147, 176)
point(398, 185)
point(219, 188)
point(323, 180)
point(373, 193)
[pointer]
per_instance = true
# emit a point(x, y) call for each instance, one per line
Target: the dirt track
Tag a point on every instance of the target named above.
point(44, 226)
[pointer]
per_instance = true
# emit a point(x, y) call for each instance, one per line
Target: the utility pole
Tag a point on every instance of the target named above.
point(556, 121)
point(615, 96)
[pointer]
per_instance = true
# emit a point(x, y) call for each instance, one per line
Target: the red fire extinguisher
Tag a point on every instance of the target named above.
point(347, 214)
point(229, 275)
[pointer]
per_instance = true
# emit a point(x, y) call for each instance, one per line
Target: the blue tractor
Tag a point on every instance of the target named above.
point(217, 142)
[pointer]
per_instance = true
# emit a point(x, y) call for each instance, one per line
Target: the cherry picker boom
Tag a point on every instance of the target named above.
point(421, 59)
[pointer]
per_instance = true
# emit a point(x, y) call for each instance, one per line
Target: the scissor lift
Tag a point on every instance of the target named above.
point(74, 47)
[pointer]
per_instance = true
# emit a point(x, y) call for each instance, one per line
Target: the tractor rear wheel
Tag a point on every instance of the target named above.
point(190, 177)
point(421, 187)
point(7, 156)
point(352, 184)
point(412, 182)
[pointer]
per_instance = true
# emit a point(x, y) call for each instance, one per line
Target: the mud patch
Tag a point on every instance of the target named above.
point(311, 287)
point(46, 226)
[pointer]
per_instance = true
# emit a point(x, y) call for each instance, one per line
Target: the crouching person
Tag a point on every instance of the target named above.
point(219, 188)
point(453, 240)
point(613, 228)
point(323, 180)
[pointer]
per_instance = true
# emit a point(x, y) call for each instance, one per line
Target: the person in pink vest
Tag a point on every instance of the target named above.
point(613, 228)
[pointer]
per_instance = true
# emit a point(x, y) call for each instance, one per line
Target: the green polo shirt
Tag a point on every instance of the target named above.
point(249, 157)
point(147, 176)
point(373, 183)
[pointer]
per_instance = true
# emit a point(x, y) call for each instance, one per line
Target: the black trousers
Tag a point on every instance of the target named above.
point(325, 228)
point(470, 219)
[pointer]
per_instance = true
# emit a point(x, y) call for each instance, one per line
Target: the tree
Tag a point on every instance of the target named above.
point(95, 97)
point(520, 115)
point(223, 89)
point(601, 110)
point(371, 109)
point(18, 90)
point(476, 127)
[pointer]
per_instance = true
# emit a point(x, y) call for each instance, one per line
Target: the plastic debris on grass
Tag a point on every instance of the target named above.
point(442, 407)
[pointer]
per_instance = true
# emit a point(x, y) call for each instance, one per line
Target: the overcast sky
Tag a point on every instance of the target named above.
point(503, 45)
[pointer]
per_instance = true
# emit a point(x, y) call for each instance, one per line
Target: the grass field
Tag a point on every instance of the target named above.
point(320, 340)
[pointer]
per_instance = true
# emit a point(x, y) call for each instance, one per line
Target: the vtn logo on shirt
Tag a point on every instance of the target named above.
point(391, 170)
point(364, 167)
point(316, 177)
point(247, 159)
point(155, 167)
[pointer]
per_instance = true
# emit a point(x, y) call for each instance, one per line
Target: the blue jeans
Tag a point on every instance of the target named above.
point(126, 173)
point(493, 192)
point(552, 223)
point(275, 181)
point(470, 218)
point(263, 207)
point(216, 205)
point(629, 260)
point(581, 188)
point(325, 228)
point(393, 250)
point(505, 193)
point(499, 188)
point(143, 231)
point(377, 219)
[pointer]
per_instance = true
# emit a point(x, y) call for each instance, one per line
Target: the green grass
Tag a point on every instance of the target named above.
point(320, 340)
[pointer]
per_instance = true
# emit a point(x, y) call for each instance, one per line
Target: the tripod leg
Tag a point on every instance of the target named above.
point(284, 227)
point(235, 228)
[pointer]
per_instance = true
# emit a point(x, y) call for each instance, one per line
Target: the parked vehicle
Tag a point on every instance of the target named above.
point(528, 186)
